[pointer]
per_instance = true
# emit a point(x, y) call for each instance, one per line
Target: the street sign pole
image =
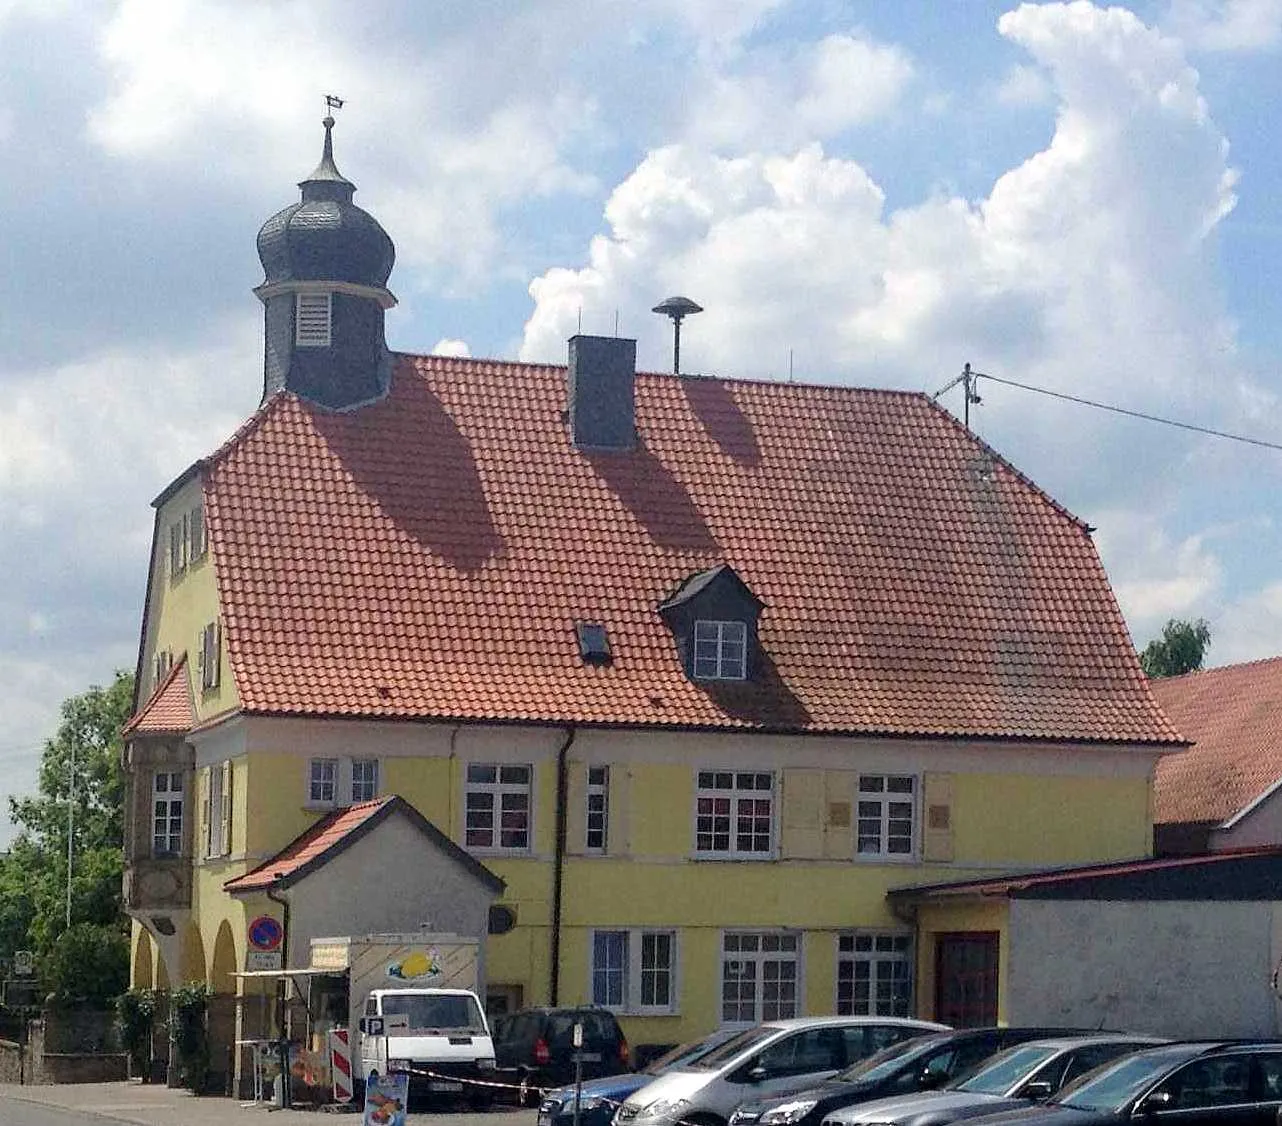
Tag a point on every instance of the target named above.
point(578, 1069)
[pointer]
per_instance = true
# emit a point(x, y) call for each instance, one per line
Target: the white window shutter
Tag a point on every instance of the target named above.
point(225, 812)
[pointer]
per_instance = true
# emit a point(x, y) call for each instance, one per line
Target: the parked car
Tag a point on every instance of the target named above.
point(770, 1059)
point(1016, 1077)
point(1188, 1084)
point(600, 1098)
point(922, 1064)
point(538, 1045)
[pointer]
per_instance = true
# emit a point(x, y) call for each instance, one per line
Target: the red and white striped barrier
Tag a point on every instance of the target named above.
point(340, 1064)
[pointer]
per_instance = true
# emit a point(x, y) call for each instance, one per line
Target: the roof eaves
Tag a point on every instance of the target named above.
point(1171, 745)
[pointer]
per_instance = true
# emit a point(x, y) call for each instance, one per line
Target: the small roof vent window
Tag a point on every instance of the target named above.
point(594, 645)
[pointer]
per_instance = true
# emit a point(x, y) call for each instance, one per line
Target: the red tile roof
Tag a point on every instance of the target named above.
point(335, 832)
point(169, 711)
point(1234, 716)
point(428, 556)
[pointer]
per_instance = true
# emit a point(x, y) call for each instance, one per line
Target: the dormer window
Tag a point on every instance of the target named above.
point(720, 650)
point(713, 616)
point(312, 320)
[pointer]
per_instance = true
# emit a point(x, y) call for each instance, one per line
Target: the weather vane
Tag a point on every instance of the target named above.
point(332, 102)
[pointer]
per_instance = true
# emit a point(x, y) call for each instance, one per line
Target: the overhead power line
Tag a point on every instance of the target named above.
point(970, 378)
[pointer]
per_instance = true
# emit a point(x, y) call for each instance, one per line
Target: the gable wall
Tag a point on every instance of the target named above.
point(180, 606)
point(1261, 826)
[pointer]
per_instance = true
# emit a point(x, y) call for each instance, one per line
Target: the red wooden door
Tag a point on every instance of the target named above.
point(966, 978)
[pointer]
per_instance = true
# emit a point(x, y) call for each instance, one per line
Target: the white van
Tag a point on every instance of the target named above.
point(439, 1036)
point(771, 1059)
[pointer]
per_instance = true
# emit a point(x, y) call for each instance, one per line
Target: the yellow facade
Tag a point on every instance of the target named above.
point(978, 810)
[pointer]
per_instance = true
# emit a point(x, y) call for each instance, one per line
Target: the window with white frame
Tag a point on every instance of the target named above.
point(734, 813)
point(167, 813)
point(196, 532)
point(312, 320)
point(211, 655)
point(720, 650)
point(342, 781)
point(218, 810)
point(760, 976)
point(322, 781)
point(875, 974)
point(364, 779)
point(634, 971)
point(497, 806)
point(598, 809)
point(887, 819)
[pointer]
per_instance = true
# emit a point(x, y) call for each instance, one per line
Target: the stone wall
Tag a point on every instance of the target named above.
point(13, 1067)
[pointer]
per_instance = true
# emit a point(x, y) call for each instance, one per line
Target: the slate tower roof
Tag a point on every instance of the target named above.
point(326, 263)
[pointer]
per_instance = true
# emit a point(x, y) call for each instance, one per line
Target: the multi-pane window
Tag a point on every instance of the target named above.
point(610, 968)
point(759, 977)
point(312, 320)
point(211, 653)
point(874, 974)
point(497, 806)
point(734, 813)
point(598, 810)
point(720, 650)
point(364, 779)
point(634, 970)
point(322, 782)
point(657, 964)
point(167, 813)
point(887, 815)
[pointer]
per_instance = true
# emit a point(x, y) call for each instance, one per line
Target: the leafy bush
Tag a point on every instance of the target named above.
point(189, 1007)
point(87, 967)
point(136, 1012)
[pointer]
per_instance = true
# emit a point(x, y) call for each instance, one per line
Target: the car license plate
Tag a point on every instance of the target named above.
point(590, 1057)
point(445, 1085)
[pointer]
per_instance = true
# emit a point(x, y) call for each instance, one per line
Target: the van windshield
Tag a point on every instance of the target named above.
point(436, 1012)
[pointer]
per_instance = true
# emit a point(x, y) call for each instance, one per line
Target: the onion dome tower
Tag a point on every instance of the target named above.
point(326, 264)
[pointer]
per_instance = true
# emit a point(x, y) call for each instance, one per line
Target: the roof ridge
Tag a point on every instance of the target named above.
point(668, 376)
point(1237, 666)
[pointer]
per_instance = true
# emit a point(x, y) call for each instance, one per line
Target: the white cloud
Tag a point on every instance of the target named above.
point(1087, 268)
point(1154, 576)
point(1227, 25)
point(447, 347)
point(1249, 628)
point(773, 99)
point(1024, 86)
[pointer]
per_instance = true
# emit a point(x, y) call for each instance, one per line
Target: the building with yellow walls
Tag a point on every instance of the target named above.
point(699, 668)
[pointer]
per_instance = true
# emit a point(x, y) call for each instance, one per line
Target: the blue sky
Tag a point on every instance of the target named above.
point(1077, 197)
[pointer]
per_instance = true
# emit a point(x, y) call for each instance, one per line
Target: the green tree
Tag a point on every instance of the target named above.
point(1180, 649)
point(88, 964)
point(33, 876)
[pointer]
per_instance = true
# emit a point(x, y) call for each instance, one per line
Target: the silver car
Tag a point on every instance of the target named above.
point(771, 1059)
point(1017, 1077)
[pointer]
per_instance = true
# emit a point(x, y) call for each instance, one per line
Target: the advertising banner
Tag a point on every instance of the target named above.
point(386, 1097)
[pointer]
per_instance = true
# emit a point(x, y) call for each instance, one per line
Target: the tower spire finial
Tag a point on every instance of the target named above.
point(327, 181)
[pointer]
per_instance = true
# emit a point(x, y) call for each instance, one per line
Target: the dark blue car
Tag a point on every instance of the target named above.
point(599, 1098)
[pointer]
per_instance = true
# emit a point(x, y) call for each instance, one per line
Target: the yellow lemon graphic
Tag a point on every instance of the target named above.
point(416, 965)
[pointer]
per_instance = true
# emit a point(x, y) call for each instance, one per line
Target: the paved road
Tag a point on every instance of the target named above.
point(98, 1104)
